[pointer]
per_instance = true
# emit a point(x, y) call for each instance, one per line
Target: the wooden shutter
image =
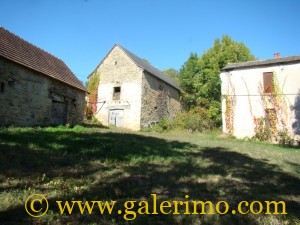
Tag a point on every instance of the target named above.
point(268, 82)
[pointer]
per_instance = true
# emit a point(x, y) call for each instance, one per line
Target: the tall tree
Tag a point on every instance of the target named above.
point(172, 73)
point(187, 79)
point(200, 76)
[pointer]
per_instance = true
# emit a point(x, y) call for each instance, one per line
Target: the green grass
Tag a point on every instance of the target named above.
point(102, 164)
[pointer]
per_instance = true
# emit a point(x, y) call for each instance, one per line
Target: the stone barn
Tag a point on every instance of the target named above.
point(262, 96)
point(133, 94)
point(36, 88)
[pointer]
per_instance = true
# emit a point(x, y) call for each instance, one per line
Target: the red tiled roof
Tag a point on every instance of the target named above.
point(22, 52)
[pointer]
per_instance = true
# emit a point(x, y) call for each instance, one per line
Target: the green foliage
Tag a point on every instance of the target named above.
point(78, 128)
point(92, 87)
point(188, 75)
point(88, 112)
point(200, 76)
point(92, 84)
point(193, 122)
point(196, 120)
point(284, 138)
point(172, 73)
point(262, 132)
point(162, 125)
point(95, 121)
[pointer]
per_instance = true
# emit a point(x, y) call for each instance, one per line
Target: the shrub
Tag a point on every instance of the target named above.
point(161, 126)
point(284, 138)
point(88, 112)
point(196, 120)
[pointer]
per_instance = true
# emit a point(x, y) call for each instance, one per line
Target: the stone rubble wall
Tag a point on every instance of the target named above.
point(28, 96)
point(159, 100)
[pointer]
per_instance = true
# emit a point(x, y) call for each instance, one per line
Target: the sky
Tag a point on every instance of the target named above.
point(165, 32)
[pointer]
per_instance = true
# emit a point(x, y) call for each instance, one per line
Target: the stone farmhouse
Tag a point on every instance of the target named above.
point(263, 94)
point(36, 88)
point(133, 94)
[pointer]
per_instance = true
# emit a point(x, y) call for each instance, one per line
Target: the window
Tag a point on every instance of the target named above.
point(268, 82)
point(2, 86)
point(116, 63)
point(117, 93)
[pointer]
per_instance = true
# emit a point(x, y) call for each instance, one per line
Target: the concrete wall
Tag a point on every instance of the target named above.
point(159, 100)
point(243, 87)
point(28, 96)
point(117, 70)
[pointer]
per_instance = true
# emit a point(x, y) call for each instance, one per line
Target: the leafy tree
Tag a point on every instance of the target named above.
point(200, 76)
point(172, 73)
point(188, 73)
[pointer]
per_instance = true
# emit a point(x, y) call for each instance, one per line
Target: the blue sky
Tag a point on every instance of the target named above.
point(165, 32)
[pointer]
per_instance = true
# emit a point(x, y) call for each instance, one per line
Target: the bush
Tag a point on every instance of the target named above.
point(161, 126)
point(199, 119)
point(284, 138)
point(195, 120)
point(88, 112)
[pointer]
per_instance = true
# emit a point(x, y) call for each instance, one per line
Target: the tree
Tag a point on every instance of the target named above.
point(172, 73)
point(187, 80)
point(200, 76)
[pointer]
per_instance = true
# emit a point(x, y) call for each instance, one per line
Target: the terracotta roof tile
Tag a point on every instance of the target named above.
point(22, 52)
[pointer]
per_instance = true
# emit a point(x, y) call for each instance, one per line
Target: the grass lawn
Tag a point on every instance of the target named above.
point(104, 164)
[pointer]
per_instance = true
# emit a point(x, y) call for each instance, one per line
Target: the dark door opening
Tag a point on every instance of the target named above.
point(59, 113)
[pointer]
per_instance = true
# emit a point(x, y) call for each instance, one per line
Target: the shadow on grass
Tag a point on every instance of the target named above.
point(138, 166)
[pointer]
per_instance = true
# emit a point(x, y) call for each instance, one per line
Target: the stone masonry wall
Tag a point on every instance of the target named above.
point(159, 100)
point(27, 97)
point(118, 70)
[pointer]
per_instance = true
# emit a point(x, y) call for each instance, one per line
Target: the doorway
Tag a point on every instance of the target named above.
point(59, 113)
point(116, 117)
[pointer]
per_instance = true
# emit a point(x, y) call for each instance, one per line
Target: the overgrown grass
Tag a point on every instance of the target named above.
point(102, 164)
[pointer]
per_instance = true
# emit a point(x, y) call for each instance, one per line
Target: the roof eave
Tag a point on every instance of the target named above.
point(259, 64)
point(177, 88)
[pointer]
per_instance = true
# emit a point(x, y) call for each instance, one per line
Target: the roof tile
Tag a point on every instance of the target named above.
point(22, 52)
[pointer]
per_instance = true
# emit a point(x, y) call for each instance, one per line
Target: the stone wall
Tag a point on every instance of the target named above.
point(159, 100)
point(29, 98)
point(117, 70)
